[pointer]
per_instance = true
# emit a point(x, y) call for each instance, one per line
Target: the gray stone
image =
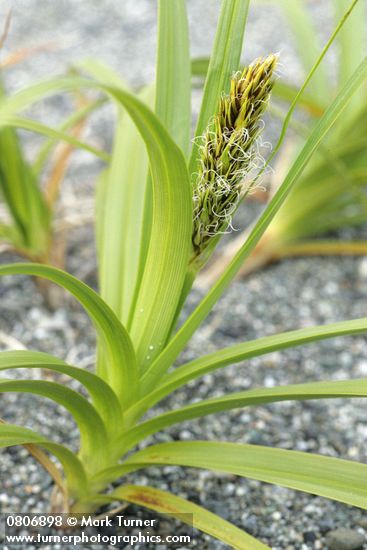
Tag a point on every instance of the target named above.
point(250, 525)
point(344, 539)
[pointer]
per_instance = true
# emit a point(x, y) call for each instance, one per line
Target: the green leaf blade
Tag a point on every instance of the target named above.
point(182, 509)
point(224, 60)
point(334, 478)
point(262, 346)
point(104, 398)
point(122, 373)
point(295, 392)
point(93, 435)
point(307, 45)
point(173, 90)
point(120, 215)
point(351, 47)
point(23, 196)
point(54, 134)
point(77, 483)
point(170, 237)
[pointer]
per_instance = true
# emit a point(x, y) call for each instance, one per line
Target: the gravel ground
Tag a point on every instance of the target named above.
point(289, 295)
point(317, 291)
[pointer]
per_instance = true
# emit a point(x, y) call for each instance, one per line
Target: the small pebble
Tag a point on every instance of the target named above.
point(309, 536)
point(250, 525)
point(325, 525)
point(362, 269)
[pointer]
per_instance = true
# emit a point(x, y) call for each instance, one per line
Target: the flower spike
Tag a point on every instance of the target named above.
point(228, 153)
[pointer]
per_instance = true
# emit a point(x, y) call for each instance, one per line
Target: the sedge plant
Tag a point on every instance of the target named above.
point(180, 206)
point(29, 190)
point(330, 196)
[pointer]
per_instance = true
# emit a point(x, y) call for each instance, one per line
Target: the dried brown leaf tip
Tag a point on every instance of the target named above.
point(229, 152)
